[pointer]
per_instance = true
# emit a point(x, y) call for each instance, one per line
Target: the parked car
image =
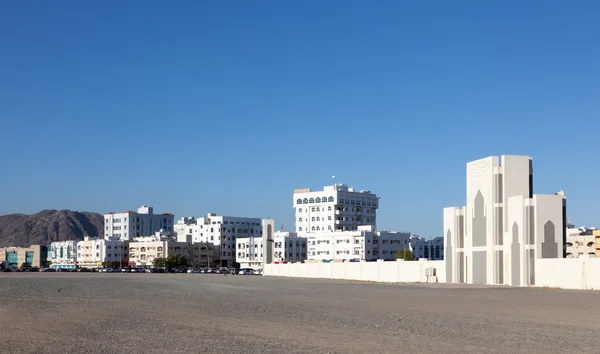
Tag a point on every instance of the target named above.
point(223, 270)
point(258, 271)
point(246, 271)
point(212, 270)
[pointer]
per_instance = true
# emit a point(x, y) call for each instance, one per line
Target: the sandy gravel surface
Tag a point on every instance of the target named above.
point(196, 313)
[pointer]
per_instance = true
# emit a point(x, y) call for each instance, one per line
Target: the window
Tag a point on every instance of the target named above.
point(329, 227)
point(313, 228)
point(318, 209)
point(305, 201)
point(329, 218)
point(318, 200)
point(318, 218)
point(300, 229)
point(311, 200)
point(299, 219)
point(313, 218)
point(329, 208)
point(299, 210)
point(318, 229)
point(312, 209)
point(331, 199)
point(299, 201)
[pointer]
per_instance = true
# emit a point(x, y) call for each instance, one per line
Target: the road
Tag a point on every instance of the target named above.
point(197, 313)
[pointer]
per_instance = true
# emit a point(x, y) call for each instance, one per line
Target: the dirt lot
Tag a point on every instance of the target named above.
point(196, 313)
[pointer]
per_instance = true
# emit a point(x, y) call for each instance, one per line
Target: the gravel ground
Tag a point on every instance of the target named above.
point(196, 313)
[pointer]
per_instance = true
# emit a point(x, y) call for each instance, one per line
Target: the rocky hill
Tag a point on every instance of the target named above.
point(47, 226)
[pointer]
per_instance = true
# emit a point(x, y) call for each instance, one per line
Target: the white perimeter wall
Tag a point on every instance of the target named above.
point(388, 272)
point(568, 273)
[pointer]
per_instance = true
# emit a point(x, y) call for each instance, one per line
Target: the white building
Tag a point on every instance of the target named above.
point(362, 244)
point(285, 246)
point(580, 242)
point(127, 225)
point(94, 252)
point(428, 249)
point(289, 247)
point(63, 254)
point(504, 228)
point(335, 208)
point(222, 231)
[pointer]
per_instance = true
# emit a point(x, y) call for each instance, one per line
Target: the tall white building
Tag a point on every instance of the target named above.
point(335, 208)
point(222, 231)
point(127, 225)
point(504, 228)
point(63, 254)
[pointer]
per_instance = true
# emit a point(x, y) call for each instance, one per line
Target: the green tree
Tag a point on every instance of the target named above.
point(176, 261)
point(407, 255)
point(159, 262)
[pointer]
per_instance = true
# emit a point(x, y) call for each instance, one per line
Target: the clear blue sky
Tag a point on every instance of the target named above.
point(227, 106)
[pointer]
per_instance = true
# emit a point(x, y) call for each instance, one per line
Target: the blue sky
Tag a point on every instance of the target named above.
point(226, 107)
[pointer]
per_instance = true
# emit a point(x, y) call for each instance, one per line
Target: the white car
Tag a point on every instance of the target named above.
point(258, 272)
point(246, 271)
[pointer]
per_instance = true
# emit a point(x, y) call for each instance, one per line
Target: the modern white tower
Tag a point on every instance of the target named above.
point(504, 228)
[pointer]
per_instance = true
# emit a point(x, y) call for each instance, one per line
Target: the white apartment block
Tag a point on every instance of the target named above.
point(222, 231)
point(94, 252)
point(250, 252)
point(580, 242)
point(289, 247)
point(335, 208)
point(284, 246)
point(387, 243)
point(127, 225)
point(64, 254)
point(504, 228)
point(428, 249)
point(341, 245)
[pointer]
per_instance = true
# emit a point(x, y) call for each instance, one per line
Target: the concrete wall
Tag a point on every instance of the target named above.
point(388, 272)
point(581, 273)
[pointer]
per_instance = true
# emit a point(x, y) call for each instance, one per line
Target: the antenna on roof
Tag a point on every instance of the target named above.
point(333, 181)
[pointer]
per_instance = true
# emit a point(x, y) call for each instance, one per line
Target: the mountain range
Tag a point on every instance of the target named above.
point(21, 230)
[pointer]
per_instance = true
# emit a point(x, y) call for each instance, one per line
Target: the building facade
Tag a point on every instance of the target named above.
point(580, 242)
point(34, 256)
point(144, 250)
point(127, 225)
point(283, 246)
point(428, 249)
point(335, 208)
point(94, 252)
point(596, 234)
point(222, 231)
point(289, 247)
point(64, 254)
point(496, 238)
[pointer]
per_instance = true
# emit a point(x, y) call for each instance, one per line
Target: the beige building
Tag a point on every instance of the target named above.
point(143, 250)
point(596, 234)
point(94, 252)
point(580, 242)
point(35, 256)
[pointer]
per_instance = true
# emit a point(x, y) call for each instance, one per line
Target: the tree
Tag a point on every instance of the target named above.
point(407, 255)
point(176, 261)
point(159, 262)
